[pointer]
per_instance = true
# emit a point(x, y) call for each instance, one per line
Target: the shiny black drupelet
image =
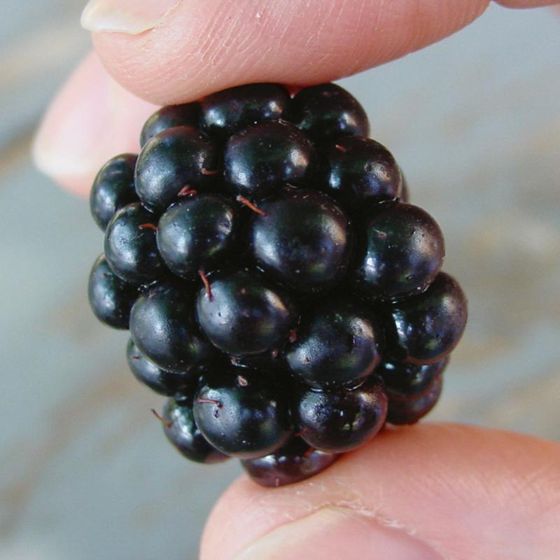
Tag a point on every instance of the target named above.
point(278, 286)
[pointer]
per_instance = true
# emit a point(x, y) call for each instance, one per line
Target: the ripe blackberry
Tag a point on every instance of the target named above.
point(277, 284)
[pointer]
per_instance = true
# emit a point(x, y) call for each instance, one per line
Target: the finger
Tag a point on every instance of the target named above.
point(92, 119)
point(426, 492)
point(169, 51)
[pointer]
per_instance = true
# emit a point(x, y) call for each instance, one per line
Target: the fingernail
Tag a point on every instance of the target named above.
point(126, 16)
point(334, 533)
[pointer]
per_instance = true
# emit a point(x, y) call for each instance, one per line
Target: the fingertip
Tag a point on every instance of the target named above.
point(444, 484)
point(208, 45)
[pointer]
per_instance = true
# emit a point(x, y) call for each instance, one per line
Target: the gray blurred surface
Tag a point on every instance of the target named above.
point(86, 472)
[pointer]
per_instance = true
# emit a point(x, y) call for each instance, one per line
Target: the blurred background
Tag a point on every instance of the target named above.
point(86, 472)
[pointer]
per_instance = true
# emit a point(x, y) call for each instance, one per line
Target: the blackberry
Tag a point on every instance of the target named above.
point(279, 288)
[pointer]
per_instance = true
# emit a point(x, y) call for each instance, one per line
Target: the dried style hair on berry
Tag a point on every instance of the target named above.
point(279, 287)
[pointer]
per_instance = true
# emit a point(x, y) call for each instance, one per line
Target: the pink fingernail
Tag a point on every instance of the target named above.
point(126, 16)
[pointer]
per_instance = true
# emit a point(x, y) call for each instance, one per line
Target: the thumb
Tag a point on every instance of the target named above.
point(169, 51)
point(420, 493)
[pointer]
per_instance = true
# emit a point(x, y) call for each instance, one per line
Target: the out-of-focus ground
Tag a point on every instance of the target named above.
point(86, 472)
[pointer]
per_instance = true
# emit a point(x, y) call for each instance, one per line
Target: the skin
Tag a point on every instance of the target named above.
point(430, 491)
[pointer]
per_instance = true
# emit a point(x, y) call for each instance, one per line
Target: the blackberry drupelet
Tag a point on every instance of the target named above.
point(358, 169)
point(130, 245)
point(302, 239)
point(278, 287)
point(110, 298)
point(338, 343)
point(340, 420)
point(243, 313)
point(328, 112)
point(163, 326)
point(174, 160)
point(158, 379)
point(294, 462)
point(266, 156)
point(242, 413)
point(113, 188)
point(229, 111)
point(169, 117)
point(400, 252)
point(181, 430)
point(198, 233)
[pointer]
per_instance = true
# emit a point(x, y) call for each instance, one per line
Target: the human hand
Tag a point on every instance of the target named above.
point(432, 491)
